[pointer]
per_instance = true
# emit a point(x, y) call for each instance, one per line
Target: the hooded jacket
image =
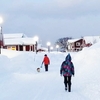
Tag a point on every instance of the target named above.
point(46, 60)
point(67, 67)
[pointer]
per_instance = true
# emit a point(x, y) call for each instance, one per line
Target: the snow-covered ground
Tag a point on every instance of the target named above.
point(19, 79)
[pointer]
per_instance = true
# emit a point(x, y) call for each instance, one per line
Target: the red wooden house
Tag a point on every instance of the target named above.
point(75, 44)
point(19, 42)
point(79, 44)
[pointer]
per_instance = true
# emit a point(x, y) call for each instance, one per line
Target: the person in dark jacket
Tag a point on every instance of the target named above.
point(67, 69)
point(46, 62)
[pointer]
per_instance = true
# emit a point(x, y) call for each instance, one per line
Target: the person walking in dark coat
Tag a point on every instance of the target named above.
point(46, 62)
point(67, 70)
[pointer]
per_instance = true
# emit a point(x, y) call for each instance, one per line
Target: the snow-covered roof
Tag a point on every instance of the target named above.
point(73, 40)
point(92, 39)
point(88, 39)
point(19, 41)
point(14, 35)
point(43, 48)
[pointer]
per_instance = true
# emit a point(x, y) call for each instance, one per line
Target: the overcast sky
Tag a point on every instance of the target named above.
point(51, 19)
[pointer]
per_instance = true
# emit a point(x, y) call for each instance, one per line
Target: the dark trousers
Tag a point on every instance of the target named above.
point(67, 82)
point(46, 67)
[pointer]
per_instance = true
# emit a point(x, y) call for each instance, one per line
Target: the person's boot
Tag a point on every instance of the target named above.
point(69, 87)
point(65, 88)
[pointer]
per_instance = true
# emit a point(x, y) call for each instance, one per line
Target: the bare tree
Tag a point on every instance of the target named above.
point(62, 42)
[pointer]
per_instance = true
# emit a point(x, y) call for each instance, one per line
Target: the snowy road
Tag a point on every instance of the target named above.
point(19, 79)
point(46, 85)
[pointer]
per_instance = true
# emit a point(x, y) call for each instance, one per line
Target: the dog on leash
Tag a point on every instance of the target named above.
point(38, 69)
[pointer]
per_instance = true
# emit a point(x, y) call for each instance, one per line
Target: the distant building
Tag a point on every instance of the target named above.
point(75, 44)
point(41, 49)
point(91, 39)
point(79, 44)
point(19, 42)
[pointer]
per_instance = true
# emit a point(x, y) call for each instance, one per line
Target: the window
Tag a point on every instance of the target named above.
point(11, 47)
point(77, 43)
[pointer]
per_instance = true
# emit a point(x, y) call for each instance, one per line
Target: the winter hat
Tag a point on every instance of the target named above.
point(68, 57)
point(45, 55)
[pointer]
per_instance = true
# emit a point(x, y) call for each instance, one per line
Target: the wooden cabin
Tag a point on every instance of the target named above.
point(19, 42)
point(76, 44)
point(79, 44)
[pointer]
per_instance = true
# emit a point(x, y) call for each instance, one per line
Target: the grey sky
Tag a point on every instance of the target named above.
point(51, 19)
